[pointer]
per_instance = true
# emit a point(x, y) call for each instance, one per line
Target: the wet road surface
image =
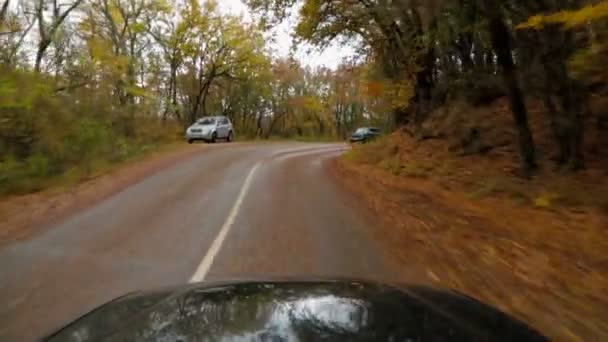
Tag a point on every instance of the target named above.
point(230, 212)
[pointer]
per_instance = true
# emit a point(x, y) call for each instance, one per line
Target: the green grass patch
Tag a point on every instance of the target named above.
point(78, 158)
point(384, 153)
point(34, 174)
point(381, 150)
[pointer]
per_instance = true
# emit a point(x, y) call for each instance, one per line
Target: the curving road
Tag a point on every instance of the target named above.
point(229, 212)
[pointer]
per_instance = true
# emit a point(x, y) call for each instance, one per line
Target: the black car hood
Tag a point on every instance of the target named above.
point(296, 311)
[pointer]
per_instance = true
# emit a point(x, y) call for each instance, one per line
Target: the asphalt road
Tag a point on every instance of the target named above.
point(229, 212)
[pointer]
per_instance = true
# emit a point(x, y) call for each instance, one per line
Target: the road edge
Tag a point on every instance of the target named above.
point(24, 216)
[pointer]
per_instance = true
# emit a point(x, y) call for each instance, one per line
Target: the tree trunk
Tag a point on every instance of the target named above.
point(552, 110)
point(204, 96)
point(464, 45)
point(42, 46)
point(575, 106)
point(565, 98)
point(3, 12)
point(273, 123)
point(259, 131)
point(424, 87)
point(501, 44)
point(489, 64)
point(578, 134)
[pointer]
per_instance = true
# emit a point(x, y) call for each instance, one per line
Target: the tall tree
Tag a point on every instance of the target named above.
point(501, 38)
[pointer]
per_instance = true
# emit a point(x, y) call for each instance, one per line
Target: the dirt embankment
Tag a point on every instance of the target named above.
point(536, 249)
point(24, 215)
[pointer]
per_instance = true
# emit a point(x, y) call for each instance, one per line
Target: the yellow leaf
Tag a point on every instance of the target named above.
point(569, 19)
point(545, 200)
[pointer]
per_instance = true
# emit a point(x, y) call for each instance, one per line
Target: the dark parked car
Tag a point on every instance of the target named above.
point(364, 134)
point(296, 311)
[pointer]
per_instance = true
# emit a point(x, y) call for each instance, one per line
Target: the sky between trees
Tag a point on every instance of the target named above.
point(280, 40)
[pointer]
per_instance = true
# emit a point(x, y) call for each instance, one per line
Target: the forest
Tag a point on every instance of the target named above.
point(90, 82)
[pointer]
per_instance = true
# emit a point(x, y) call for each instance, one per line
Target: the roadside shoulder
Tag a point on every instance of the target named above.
point(23, 216)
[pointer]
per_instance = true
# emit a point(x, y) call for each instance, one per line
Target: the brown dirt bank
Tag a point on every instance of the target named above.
point(546, 267)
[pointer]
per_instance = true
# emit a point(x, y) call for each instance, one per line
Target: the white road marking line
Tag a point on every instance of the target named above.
point(207, 261)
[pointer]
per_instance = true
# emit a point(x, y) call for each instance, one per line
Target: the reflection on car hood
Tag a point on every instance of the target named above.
point(296, 311)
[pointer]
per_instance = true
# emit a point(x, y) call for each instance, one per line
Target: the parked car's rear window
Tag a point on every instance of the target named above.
point(208, 121)
point(361, 131)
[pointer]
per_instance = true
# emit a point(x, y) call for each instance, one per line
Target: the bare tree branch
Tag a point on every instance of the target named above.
point(48, 33)
point(21, 40)
point(3, 12)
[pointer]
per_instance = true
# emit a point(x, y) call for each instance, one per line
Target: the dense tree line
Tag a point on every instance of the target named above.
point(84, 82)
point(436, 51)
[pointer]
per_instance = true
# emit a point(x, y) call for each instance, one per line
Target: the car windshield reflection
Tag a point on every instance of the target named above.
point(208, 121)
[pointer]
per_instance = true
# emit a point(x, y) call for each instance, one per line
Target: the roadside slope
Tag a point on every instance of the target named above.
point(545, 266)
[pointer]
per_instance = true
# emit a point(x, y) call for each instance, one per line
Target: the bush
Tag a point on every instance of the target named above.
point(37, 166)
point(474, 88)
point(484, 90)
point(374, 152)
point(46, 135)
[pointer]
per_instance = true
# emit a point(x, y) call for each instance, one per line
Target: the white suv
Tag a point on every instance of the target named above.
point(210, 129)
